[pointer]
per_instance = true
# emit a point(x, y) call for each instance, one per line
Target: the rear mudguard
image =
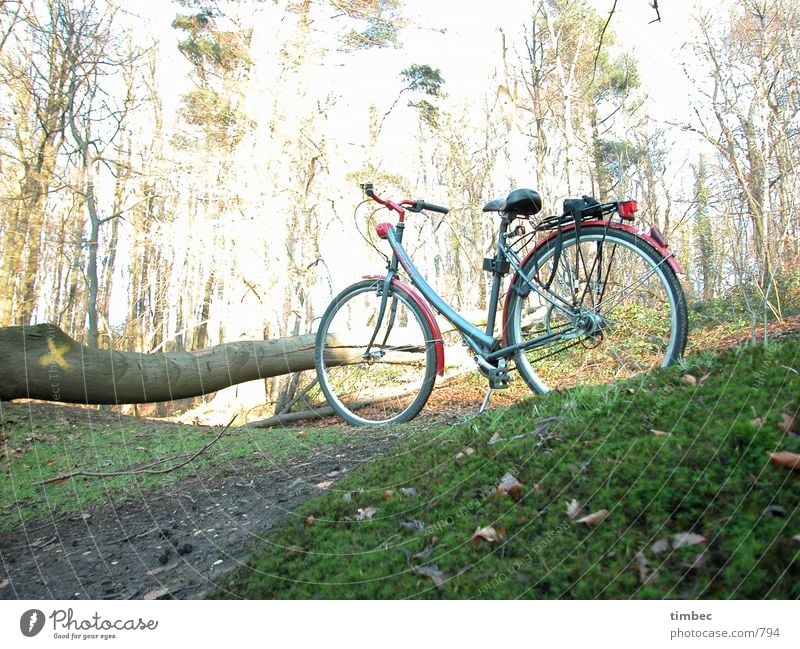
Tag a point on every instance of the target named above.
point(644, 236)
point(427, 314)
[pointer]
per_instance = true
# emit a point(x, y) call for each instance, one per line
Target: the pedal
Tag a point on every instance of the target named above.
point(497, 375)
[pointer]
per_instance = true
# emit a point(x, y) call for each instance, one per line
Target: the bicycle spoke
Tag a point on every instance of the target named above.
point(628, 304)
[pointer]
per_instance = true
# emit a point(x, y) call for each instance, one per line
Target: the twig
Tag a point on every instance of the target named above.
point(602, 37)
point(143, 469)
point(657, 19)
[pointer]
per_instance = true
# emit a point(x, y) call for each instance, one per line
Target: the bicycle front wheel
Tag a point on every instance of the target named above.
point(628, 310)
point(375, 368)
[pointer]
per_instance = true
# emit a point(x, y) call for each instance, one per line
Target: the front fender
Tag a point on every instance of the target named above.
point(427, 314)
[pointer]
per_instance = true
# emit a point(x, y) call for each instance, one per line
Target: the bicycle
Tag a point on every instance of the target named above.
point(593, 293)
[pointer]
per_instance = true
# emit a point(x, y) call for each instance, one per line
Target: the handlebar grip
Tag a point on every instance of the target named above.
point(431, 207)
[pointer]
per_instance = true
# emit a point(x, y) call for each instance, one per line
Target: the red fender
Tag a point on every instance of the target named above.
point(428, 315)
point(653, 237)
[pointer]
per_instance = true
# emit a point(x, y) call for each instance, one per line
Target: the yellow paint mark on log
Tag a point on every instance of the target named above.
point(55, 356)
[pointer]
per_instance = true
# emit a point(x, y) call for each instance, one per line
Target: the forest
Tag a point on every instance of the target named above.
point(188, 175)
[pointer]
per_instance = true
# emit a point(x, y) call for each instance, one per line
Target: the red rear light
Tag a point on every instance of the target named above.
point(627, 209)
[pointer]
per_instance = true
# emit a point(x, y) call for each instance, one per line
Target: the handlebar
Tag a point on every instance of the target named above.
point(411, 206)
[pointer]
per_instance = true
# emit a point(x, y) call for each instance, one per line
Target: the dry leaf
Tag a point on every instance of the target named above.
point(423, 554)
point(324, 485)
point(687, 539)
point(509, 485)
point(659, 433)
point(156, 593)
point(573, 507)
point(310, 520)
point(495, 438)
point(646, 573)
point(788, 423)
point(689, 379)
point(594, 517)
point(758, 422)
point(662, 545)
point(786, 460)
point(486, 534)
point(4, 583)
point(366, 514)
point(409, 491)
point(466, 452)
point(302, 433)
point(431, 571)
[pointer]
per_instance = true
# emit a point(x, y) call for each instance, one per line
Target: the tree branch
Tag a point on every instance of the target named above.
point(142, 469)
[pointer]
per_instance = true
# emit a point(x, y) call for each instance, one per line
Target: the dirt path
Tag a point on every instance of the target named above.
point(169, 543)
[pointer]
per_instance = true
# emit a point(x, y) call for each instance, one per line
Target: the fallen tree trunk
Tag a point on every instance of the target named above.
point(42, 362)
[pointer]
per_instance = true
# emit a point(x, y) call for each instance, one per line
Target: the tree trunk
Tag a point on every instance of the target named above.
point(42, 362)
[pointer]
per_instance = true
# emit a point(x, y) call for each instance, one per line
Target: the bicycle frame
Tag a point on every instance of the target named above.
point(482, 342)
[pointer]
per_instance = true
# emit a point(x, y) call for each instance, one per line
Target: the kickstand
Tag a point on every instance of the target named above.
point(486, 400)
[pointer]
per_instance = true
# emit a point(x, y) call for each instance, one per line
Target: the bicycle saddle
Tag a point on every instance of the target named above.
point(520, 202)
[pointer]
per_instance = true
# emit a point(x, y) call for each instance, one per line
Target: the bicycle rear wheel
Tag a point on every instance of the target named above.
point(375, 370)
point(632, 311)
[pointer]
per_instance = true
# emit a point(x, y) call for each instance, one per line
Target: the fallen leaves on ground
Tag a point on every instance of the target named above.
point(324, 485)
point(488, 534)
point(366, 513)
point(594, 517)
point(415, 525)
point(156, 593)
point(509, 485)
point(662, 545)
point(431, 571)
point(789, 423)
point(687, 539)
point(786, 460)
point(659, 433)
point(465, 453)
point(573, 507)
point(646, 573)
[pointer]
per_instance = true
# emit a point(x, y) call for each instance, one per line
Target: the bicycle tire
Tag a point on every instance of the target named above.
point(389, 382)
point(641, 307)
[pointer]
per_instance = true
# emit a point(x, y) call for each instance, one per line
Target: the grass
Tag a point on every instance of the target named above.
point(403, 526)
point(41, 442)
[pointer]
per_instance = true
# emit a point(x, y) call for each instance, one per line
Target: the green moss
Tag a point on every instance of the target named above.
point(710, 476)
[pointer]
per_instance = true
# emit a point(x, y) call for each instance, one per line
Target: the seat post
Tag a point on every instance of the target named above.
point(499, 267)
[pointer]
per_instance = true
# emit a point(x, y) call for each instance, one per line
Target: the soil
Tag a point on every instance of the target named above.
point(177, 541)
